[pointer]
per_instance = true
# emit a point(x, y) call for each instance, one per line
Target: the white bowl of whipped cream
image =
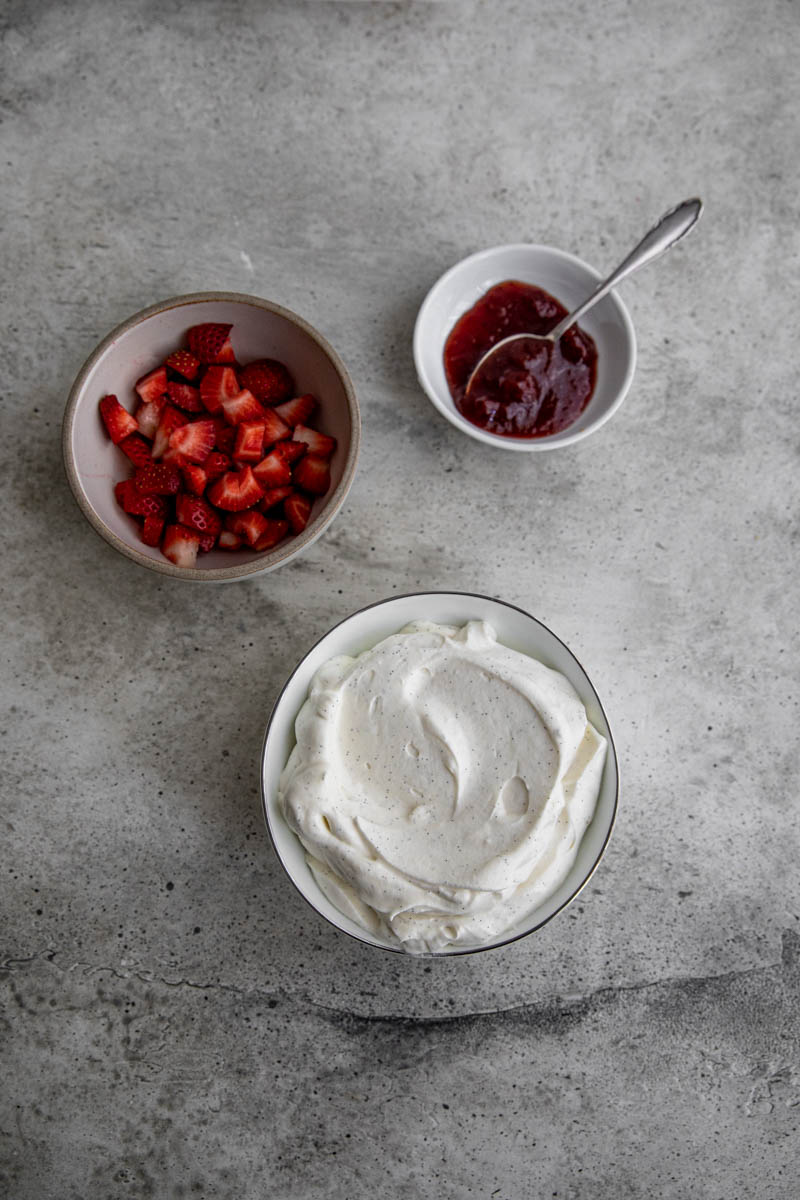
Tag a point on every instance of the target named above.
point(438, 775)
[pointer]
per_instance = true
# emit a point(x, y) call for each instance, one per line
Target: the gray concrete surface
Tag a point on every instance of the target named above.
point(176, 1021)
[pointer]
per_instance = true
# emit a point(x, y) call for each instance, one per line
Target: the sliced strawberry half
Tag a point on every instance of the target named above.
point(275, 532)
point(275, 428)
point(195, 441)
point(291, 451)
point(297, 411)
point(170, 420)
point(228, 540)
point(225, 438)
point(268, 380)
point(249, 444)
point(318, 443)
point(117, 420)
point(153, 385)
point(151, 530)
point(210, 342)
point(197, 515)
point(236, 490)
point(242, 407)
point(215, 465)
point(137, 449)
point(159, 479)
point(136, 503)
point(185, 364)
point(249, 525)
point(195, 478)
point(298, 510)
point(185, 396)
point(147, 418)
point(218, 384)
point(180, 545)
point(273, 497)
point(313, 474)
point(273, 471)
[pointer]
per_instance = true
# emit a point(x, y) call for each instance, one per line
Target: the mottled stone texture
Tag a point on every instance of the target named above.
point(176, 1021)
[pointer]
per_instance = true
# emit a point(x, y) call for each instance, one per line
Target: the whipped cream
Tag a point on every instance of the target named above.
point(441, 784)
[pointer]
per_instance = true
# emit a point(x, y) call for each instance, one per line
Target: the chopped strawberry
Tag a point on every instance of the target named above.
point(174, 458)
point(151, 387)
point(215, 465)
point(195, 479)
point(291, 451)
point(273, 471)
point(180, 545)
point(194, 441)
point(117, 420)
point(249, 445)
point(207, 542)
point(313, 474)
point(159, 479)
point(268, 380)
point(229, 541)
point(137, 449)
point(170, 420)
point(242, 407)
point(275, 429)
point(197, 515)
point(210, 342)
point(318, 443)
point(273, 497)
point(225, 436)
point(185, 396)
point(236, 490)
point(298, 510)
point(275, 532)
point(151, 530)
point(183, 363)
point(218, 384)
point(297, 411)
point(249, 525)
point(136, 503)
point(147, 418)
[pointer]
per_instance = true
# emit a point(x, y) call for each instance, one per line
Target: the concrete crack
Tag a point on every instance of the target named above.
point(565, 1005)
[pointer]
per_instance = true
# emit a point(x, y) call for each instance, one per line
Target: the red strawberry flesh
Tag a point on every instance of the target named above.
point(152, 386)
point(236, 490)
point(180, 545)
point(194, 441)
point(313, 475)
point(210, 341)
point(273, 471)
point(268, 380)
point(183, 363)
point(117, 420)
point(137, 449)
point(218, 384)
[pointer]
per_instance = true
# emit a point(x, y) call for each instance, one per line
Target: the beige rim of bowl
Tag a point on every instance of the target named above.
point(267, 561)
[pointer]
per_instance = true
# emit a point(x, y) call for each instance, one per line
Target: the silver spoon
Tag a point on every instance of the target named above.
point(670, 229)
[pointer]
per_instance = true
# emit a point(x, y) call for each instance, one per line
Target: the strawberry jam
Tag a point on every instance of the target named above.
point(529, 389)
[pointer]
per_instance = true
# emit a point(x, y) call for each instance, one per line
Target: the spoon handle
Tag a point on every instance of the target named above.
point(670, 229)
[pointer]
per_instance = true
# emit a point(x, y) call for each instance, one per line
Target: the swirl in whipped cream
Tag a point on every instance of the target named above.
point(441, 784)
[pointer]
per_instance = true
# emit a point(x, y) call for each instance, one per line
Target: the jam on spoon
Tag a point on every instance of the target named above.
point(533, 387)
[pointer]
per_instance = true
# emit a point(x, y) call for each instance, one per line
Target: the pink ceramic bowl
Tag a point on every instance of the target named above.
point(260, 330)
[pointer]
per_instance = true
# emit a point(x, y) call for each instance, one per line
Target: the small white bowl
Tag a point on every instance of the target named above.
point(562, 275)
point(261, 329)
point(365, 629)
